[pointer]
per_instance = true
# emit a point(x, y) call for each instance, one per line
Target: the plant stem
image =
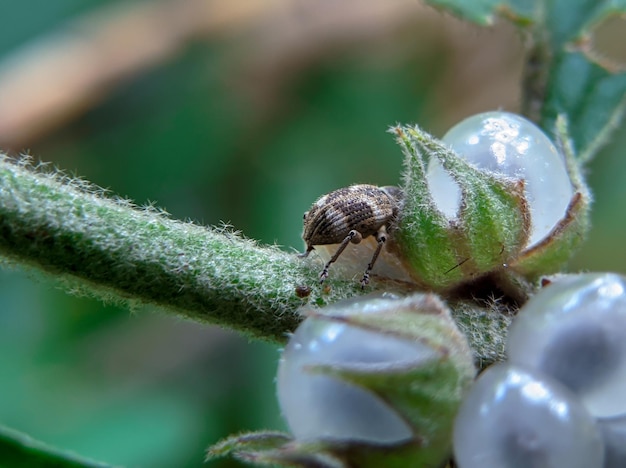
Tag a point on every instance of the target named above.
point(535, 78)
point(109, 248)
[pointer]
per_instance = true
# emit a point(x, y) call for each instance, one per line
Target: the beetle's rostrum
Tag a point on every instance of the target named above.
point(351, 214)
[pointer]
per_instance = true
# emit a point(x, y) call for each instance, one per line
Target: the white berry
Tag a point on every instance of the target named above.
point(575, 331)
point(512, 146)
point(513, 418)
point(323, 407)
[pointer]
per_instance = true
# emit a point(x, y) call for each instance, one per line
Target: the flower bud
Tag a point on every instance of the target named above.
point(510, 146)
point(494, 197)
point(376, 374)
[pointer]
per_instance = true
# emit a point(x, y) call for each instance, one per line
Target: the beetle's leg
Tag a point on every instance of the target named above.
point(354, 237)
point(307, 252)
point(381, 238)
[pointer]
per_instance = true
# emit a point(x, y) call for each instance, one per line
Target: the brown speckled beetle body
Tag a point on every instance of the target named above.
point(349, 215)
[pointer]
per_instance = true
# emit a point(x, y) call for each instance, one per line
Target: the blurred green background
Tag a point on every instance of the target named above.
point(219, 111)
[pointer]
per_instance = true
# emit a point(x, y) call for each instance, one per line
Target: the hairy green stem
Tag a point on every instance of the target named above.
point(535, 78)
point(110, 248)
point(73, 231)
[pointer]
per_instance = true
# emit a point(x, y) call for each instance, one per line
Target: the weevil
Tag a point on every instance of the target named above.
point(348, 215)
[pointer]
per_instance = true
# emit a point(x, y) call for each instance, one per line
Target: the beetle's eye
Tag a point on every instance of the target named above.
point(305, 213)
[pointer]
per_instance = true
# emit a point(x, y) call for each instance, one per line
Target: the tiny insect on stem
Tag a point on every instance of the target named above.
point(349, 215)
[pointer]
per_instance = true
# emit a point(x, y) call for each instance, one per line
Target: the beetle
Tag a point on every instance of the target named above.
point(348, 215)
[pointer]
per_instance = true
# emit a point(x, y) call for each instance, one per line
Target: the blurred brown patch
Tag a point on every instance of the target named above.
point(57, 77)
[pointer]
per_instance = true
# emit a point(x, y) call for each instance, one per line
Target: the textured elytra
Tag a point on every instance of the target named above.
point(349, 215)
point(362, 208)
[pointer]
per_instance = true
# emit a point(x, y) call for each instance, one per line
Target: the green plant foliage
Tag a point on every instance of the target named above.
point(21, 451)
point(591, 96)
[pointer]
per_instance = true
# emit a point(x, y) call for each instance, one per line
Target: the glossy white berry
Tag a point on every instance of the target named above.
point(513, 418)
point(365, 372)
point(318, 406)
point(512, 146)
point(575, 331)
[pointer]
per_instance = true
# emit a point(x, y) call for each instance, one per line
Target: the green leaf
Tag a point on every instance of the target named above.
point(477, 11)
point(591, 97)
point(267, 448)
point(20, 450)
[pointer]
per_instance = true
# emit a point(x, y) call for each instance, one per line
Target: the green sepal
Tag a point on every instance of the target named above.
point(420, 317)
point(494, 215)
point(273, 448)
point(549, 255)
point(427, 397)
point(422, 233)
point(485, 328)
point(426, 394)
point(247, 442)
point(493, 223)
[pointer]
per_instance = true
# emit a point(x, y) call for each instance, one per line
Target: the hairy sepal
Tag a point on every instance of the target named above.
point(491, 228)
